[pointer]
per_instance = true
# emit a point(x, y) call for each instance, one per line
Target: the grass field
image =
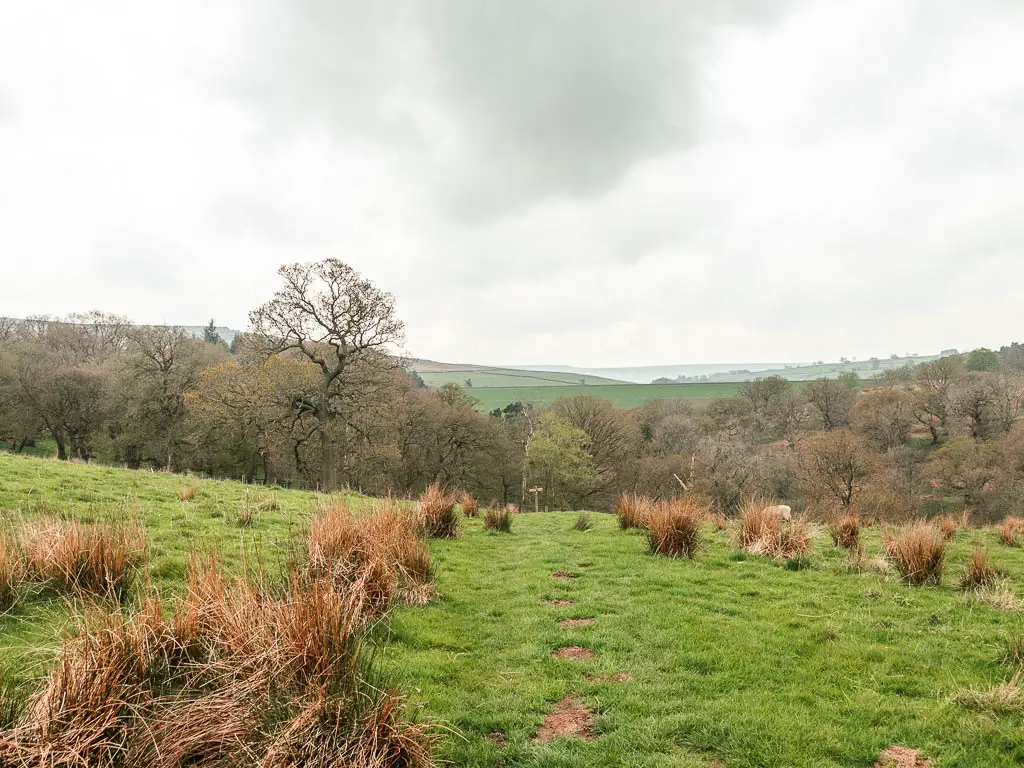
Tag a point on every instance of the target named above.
point(733, 660)
point(620, 395)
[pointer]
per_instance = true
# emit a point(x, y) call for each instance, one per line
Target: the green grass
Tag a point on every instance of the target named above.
point(620, 395)
point(735, 660)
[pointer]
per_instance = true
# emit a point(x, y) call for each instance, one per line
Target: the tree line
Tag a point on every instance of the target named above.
point(315, 395)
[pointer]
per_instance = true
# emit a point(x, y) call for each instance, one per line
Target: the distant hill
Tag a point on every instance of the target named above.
point(227, 334)
point(739, 372)
point(436, 374)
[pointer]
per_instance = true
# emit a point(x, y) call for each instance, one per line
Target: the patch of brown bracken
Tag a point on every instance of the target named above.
point(573, 623)
point(902, 757)
point(566, 719)
point(574, 652)
point(565, 575)
point(562, 603)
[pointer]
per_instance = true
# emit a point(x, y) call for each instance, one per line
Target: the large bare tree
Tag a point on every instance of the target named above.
point(331, 315)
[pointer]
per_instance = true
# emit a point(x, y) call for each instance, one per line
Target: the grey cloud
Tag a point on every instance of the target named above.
point(501, 103)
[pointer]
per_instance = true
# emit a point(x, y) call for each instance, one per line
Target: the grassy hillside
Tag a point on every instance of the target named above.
point(728, 660)
point(620, 395)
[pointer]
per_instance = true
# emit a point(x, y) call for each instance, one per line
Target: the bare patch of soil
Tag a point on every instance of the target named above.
point(560, 602)
point(574, 652)
point(565, 575)
point(902, 757)
point(573, 623)
point(620, 677)
point(499, 738)
point(566, 719)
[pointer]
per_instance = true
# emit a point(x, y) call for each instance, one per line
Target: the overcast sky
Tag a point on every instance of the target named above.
point(581, 182)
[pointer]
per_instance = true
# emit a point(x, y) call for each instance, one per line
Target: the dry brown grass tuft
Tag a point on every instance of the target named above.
point(846, 531)
point(470, 507)
point(979, 573)
point(633, 510)
point(499, 519)
point(12, 571)
point(238, 673)
point(1003, 699)
point(75, 557)
point(947, 526)
point(674, 527)
point(718, 521)
point(919, 552)
point(382, 554)
point(1009, 529)
point(186, 493)
point(762, 531)
point(437, 513)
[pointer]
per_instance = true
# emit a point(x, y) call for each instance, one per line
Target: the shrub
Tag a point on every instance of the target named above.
point(674, 528)
point(979, 573)
point(499, 519)
point(437, 513)
point(583, 522)
point(632, 510)
point(470, 507)
point(846, 531)
point(99, 559)
point(1009, 529)
point(12, 571)
point(919, 553)
point(762, 531)
point(187, 493)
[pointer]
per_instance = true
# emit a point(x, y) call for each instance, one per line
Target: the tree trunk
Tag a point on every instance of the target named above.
point(328, 468)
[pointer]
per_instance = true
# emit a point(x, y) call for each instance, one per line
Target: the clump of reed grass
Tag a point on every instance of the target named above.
point(470, 507)
point(499, 520)
point(674, 527)
point(845, 531)
point(918, 551)
point(187, 493)
point(245, 514)
point(1003, 699)
point(583, 522)
point(437, 513)
point(762, 531)
point(233, 669)
point(632, 511)
point(979, 573)
point(12, 571)
point(947, 526)
point(383, 554)
point(1015, 651)
point(1009, 529)
point(96, 558)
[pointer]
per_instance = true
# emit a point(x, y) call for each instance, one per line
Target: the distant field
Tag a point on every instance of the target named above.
point(620, 395)
point(501, 377)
